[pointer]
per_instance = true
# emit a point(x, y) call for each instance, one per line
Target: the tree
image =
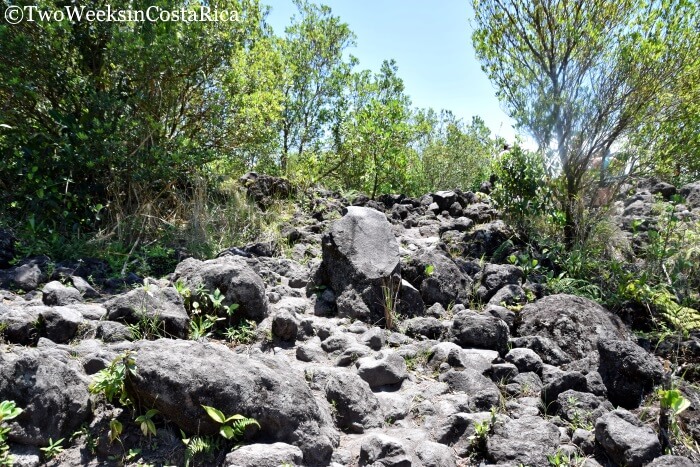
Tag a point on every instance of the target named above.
point(669, 145)
point(316, 76)
point(454, 155)
point(580, 76)
point(373, 146)
point(123, 113)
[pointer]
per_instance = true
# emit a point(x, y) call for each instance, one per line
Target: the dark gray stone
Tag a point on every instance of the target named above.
point(383, 450)
point(509, 295)
point(263, 388)
point(672, 461)
point(626, 440)
point(85, 289)
point(337, 342)
point(496, 276)
point(691, 193)
point(361, 252)
point(310, 353)
point(472, 329)
point(584, 440)
point(51, 389)
point(55, 293)
point(374, 338)
point(353, 404)
point(27, 277)
point(526, 440)
point(437, 277)
point(352, 354)
point(264, 455)
point(111, 331)
point(628, 372)
point(570, 380)
point(582, 409)
point(20, 324)
point(574, 323)
point(387, 370)
point(164, 306)
point(525, 360)
point(60, 323)
point(435, 455)
point(237, 281)
point(428, 327)
point(483, 393)
point(285, 325)
point(546, 348)
point(503, 372)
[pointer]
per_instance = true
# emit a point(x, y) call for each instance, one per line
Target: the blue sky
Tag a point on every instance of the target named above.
point(431, 43)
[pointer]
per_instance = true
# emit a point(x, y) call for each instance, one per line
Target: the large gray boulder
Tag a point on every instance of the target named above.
point(237, 281)
point(626, 440)
point(526, 440)
point(483, 392)
point(496, 276)
point(389, 369)
point(354, 405)
point(360, 248)
point(480, 330)
point(691, 193)
point(19, 324)
point(628, 372)
point(361, 259)
point(164, 306)
point(51, 389)
point(55, 293)
point(437, 277)
point(574, 324)
point(177, 377)
point(264, 455)
point(383, 450)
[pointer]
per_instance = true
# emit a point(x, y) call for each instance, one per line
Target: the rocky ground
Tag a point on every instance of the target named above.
point(481, 365)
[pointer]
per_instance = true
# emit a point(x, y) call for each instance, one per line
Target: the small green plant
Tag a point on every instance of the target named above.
point(199, 446)
point(390, 295)
point(110, 382)
point(429, 270)
point(148, 428)
point(115, 430)
point(242, 334)
point(562, 459)
point(8, 411)
point(90, 441)
point(53, 449)
point(147, 328)
point(482, 430)
point(231, 427)
point(201, 325)
point(672, 404)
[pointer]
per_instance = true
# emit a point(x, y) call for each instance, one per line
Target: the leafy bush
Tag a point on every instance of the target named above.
point(522, 188)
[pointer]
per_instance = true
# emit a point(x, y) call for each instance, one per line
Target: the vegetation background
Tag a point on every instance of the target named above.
point(125, 140)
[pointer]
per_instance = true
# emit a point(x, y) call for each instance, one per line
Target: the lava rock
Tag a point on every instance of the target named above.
point(626, 440)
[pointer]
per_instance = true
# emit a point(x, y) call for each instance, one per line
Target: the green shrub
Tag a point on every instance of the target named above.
point(523, 189)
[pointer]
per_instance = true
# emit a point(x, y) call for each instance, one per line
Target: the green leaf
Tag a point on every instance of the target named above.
point(227, 432)
point(215, 414)
point(115, 429)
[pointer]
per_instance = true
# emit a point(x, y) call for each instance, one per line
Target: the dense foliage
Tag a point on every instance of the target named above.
point(583, 78)
point(122, 126)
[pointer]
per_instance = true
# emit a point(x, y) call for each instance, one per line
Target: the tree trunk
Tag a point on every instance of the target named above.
point(569, 213)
